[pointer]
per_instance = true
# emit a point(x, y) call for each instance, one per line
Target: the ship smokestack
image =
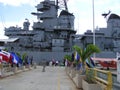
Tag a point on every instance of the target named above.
point(26, 24)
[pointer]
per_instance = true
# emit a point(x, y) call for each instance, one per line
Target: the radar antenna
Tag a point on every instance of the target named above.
point(106, 14)
point(63, 4)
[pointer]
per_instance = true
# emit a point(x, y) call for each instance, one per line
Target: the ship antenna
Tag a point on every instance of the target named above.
point(65, 3)
point(66, 8)
point(3, 21)
point(62, 4)
point(106, 14)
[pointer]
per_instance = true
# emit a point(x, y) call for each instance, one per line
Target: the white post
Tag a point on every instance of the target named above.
point(118, 67)
point(93, 24)
point(1, 71)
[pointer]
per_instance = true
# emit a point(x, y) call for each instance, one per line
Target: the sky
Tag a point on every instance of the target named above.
point(14, 12)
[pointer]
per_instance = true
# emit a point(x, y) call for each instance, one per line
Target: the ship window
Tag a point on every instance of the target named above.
point(12, 48)
point(119, 35)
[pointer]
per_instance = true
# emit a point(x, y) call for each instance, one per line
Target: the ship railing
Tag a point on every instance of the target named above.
point(106, 82)
point(63, 27)
point(6, 69)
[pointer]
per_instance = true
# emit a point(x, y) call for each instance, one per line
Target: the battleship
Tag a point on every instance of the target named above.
point(53, 34)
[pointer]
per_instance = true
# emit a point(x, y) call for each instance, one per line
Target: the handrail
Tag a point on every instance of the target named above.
point(107, 82)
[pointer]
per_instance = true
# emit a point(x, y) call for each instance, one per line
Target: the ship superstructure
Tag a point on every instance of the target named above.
point(52, 32)
point(107, 39)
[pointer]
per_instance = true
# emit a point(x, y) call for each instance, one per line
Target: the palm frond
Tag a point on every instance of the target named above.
point(86, 52)
point(68, 57)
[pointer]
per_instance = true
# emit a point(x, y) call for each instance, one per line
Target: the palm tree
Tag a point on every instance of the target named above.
point(86, 53)
point(68, 57)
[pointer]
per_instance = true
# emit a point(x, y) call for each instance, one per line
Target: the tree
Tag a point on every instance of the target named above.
point(85, 53)
point(68, 57)
point(24, 55)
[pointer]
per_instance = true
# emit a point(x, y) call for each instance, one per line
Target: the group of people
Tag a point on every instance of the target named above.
point(28, 60)
point(54, 63)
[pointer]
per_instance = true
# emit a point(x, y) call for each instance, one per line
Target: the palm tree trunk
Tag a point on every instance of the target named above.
point(83, 68)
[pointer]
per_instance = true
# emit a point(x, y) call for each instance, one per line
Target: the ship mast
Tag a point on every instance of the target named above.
point(63, 4)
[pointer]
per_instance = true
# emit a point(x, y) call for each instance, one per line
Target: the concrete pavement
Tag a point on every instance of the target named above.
point(54, 78)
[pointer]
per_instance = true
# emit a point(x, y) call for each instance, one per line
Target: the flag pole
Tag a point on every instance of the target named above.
point(93, 24)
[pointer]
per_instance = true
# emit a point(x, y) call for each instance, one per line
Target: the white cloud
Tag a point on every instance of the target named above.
point(19, 2)
point(8, 24)
point(82, 9)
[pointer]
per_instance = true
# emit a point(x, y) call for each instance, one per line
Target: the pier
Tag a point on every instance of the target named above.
point(54, 78)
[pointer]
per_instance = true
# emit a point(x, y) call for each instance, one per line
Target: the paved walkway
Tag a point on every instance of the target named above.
point(54, 78)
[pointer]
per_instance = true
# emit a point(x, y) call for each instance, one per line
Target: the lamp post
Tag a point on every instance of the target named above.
point(93, 25)
point(93, 22)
